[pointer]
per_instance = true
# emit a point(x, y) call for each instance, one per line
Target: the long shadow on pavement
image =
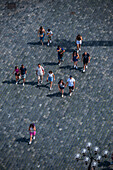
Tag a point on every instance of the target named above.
point(50, 63)
point(71, 68)
point(58, 94)
point(22, 140)
point(105, 164)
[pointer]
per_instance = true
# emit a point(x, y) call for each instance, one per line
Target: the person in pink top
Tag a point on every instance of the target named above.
point(17, 73)
point(32, 131)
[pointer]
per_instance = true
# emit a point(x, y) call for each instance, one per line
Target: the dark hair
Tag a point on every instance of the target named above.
point(78, 37)
point(50, 72)
point(48, 29)
point(31, 125)
point(39, 64)
point(58, 46)
point(74, 52)
point(16, 67)
point(41, 27)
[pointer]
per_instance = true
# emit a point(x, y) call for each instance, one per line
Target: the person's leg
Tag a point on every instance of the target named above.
point(34, 133)
point(30, 139)
point(41, 78)
point(38, 79)
point(87, 65)
point(77, 47)
point(51, 85)
point(62, 92)
point(74, 64)
point(16, 79)
point(59, 60)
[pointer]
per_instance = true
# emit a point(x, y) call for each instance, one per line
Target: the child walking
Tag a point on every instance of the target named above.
point(49, 34)
point(50, 78)
point(32, 130)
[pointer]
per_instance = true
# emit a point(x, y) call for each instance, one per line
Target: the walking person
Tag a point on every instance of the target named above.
point(86, 60)
point(75, 57)
point(71, 84)
point(40, 73)
point(23, 72)
point(32, 131)
point(61, 86)
point(50, 78)
point(17, 74)
point(78, 42)
point(60, 54)
point(49, 34)
point(41, 34)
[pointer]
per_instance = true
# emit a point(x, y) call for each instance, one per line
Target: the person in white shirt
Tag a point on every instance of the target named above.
point(49, 34)
point(40, 73)
point(71, 84)
point(50, 78)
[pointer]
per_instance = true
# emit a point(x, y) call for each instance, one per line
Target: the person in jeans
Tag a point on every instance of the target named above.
point(50, 78)
point(71, 84)
point(23, 71)
point(41, 34)
point(78, 42)
point(32, 131)
point(60, 54)
point(86, 60)
point(40, 73)
point(61, 86)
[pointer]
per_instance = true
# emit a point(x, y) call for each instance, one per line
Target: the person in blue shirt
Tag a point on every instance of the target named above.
point(60, 54)
point(23, 71)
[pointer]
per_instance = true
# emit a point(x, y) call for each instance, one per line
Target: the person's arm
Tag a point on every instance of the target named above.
point(74, 84)
point(34, 128)
point(54, 77)
point(43, 70)
point(89, 60)
point(36, 72)
point(44, 31)
point(47, 77)
point(26, 71)
point(81, 38)
point(66, 84)
point(78, 56)
point(72, 58)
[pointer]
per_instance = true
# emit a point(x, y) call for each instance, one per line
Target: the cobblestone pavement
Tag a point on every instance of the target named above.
point(64, 125)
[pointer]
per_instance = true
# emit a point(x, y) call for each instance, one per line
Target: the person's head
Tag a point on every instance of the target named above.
point(39, 65)
point(22, 66)
point(41, 28)
point(61, 81)
point(70, 77)
point(59, 47)
point(48, 30)
point(31, 125)
point(16, 67)
point(74, 53)
point(85, 53)
point(50, 72)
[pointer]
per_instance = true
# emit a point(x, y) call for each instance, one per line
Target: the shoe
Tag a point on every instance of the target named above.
point(50, 88)
point(76, 67)
point(50, 41)
point(79, 49)
point(83, 71)
point(59, 64)
point(86, 66)
point(48, 44)
point(30, 143)
point(23, 84)
point(62, 95)
point(41, 82)
point(70, 94)
point(33, 137)
point(16, 83)
point(72, 89)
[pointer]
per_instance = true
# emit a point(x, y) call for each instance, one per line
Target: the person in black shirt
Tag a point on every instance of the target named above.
point(23, 73)
point(86, 60)
point(61, 86)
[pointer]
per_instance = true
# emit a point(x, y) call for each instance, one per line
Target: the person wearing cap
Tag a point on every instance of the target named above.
point(23, 73)
point(71, 84)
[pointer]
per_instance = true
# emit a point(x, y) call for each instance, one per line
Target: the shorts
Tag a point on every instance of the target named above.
point(33, 133)
point(40, 77)
point(23, 76)
point(79, 41)
point(85, 61)
point(50, 78)
point(71, 87)
point(60, 57)
point(42, 38)
point(17, 74)
point(49, 38)
point(61, 88)
point(75, 59)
